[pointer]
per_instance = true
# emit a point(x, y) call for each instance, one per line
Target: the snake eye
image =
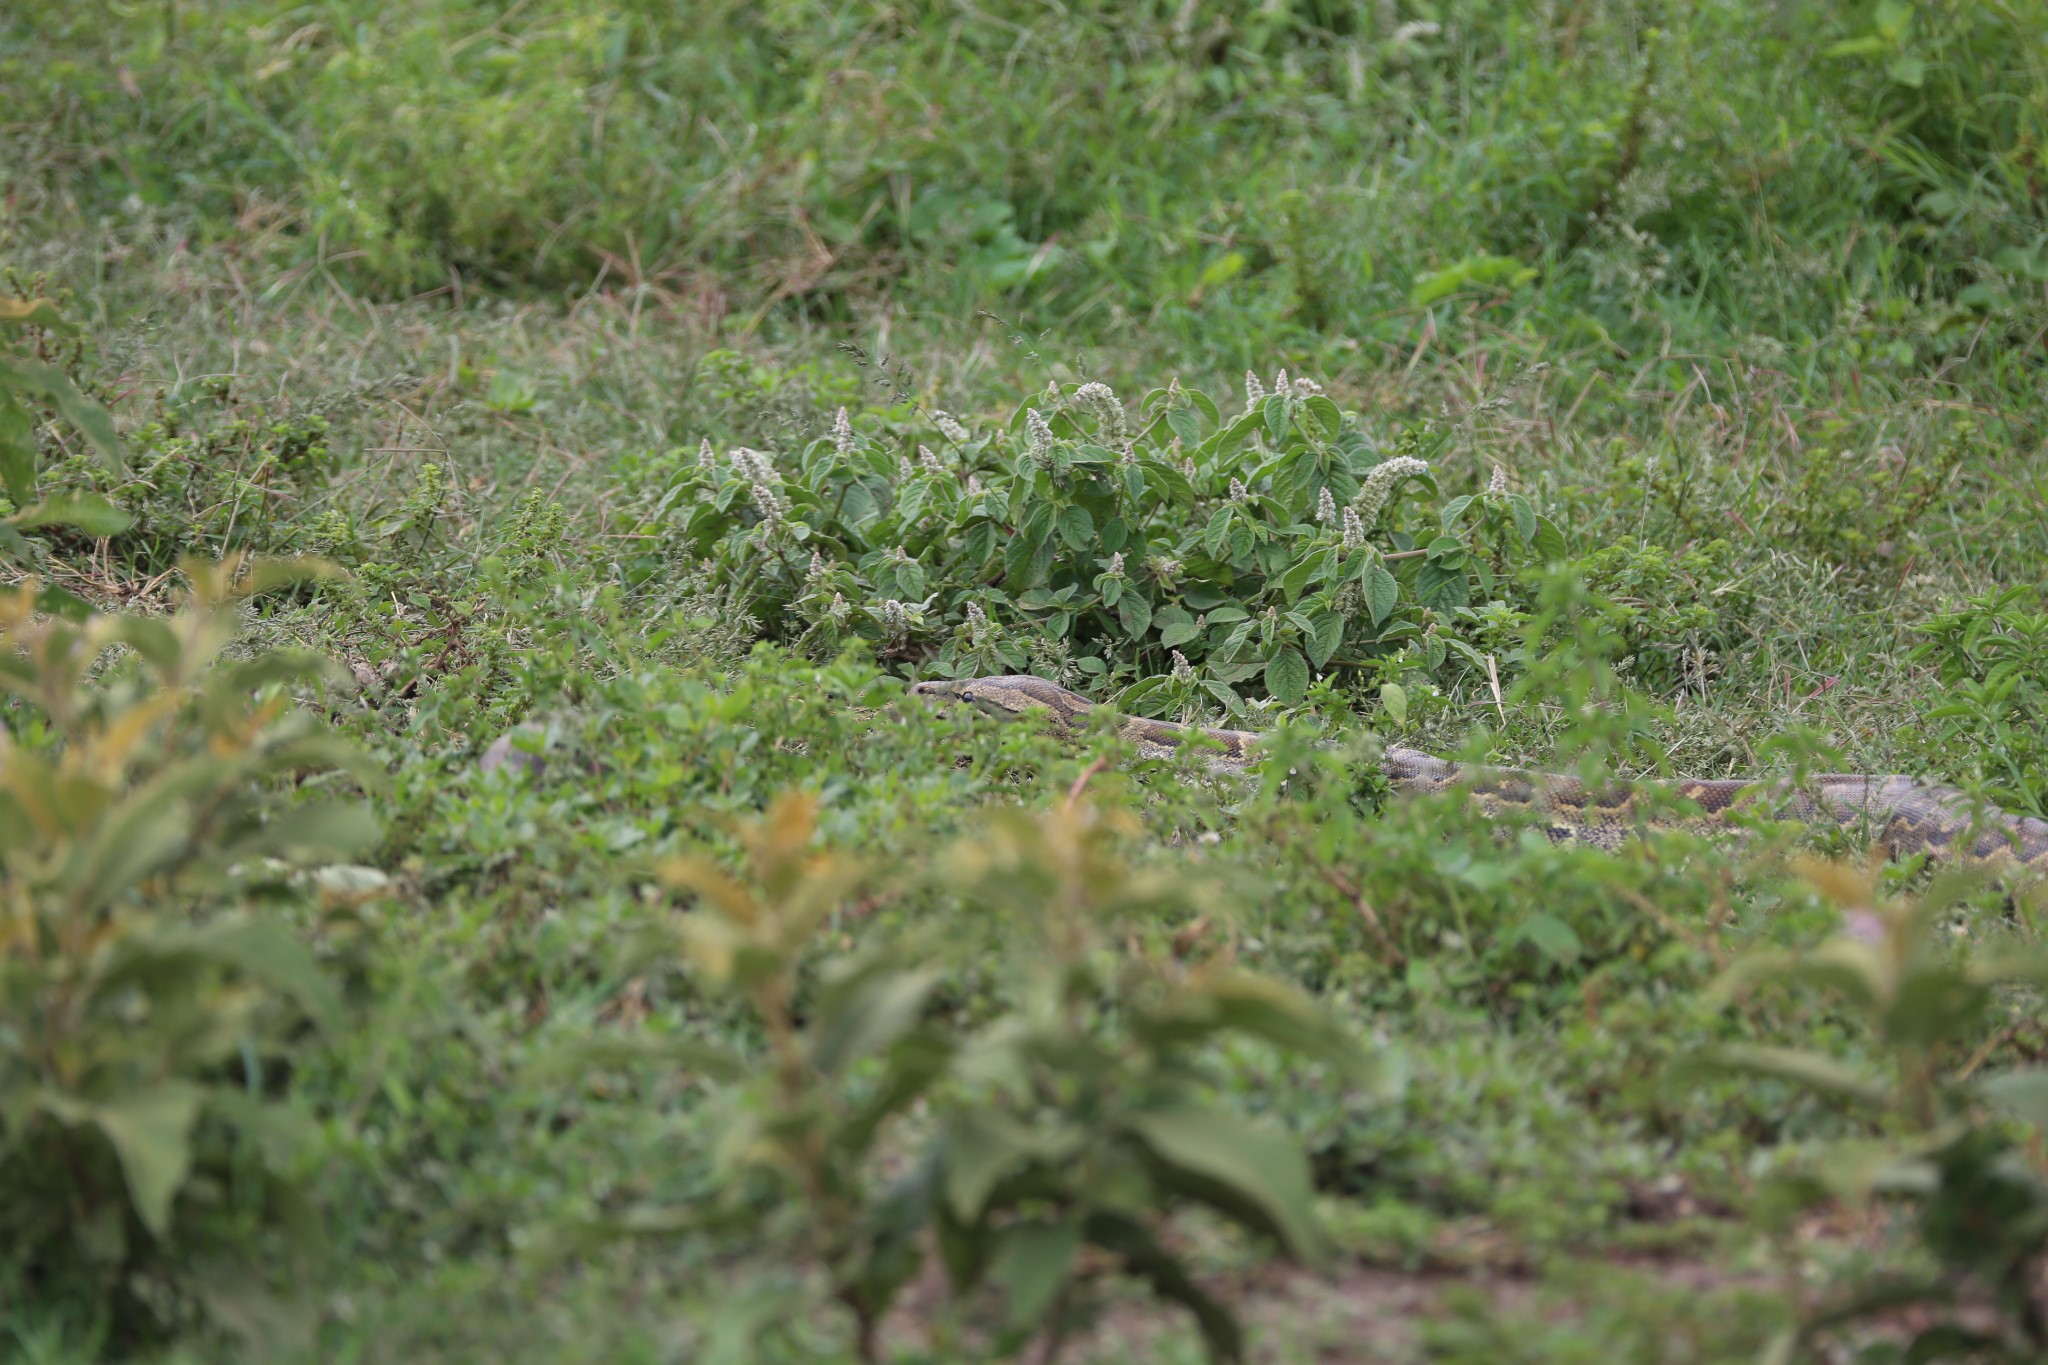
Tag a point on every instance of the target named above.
point(967, 696)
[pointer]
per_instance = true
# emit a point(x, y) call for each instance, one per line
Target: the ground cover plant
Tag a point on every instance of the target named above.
point(477, 483)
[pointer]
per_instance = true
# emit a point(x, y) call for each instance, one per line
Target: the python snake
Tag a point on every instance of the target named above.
point(1904, 817)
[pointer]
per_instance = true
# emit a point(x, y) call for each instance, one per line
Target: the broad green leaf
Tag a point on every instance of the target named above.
point(35, 313)
point(1218, 530)
point(1551, 936)
point(1172, 482)
point(1287, 676)
point(1032, 1263)
point(63, 602)
point(1317, 568)
point(150, 637)
point(1861, 971)
point(1441, 587)
point(1185, 426)
point(865, 1011)
point(151, 1134)
point(1525, 518)
point(275, 666)
point(1223, 269)
point(1135, 613)
point(1781, 1349)
point(1268, 1009)
point(1223, 693)
point(1478, 271)
point(1802, 1068)
point(1382, 592)
point(1326, 415)
point(911, 505)
point(1327, 632)
point(1933, 1006)
point(1134, 483)
point(17, 451)
point(915, 1062)
point(1077, 528)
point(257, 575)
point(1394, 697)
point(980, 1148)
point(910, 581)
point(1277, 410)
point(1549, 542)
point(262, 949)
point(1041, 562)
point(1017, 557)
point(1254, 1174)
point(56, 388)
point(1856, 1169)
point(1175, 626)
point(138, 838)
point(12, 541)
point(89, 512)
point(319, 753)
point(2023, 1094)
point(281, 1129)
point(324, 829)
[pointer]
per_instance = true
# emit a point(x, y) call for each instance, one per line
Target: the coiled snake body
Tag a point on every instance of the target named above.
point(1903, 816)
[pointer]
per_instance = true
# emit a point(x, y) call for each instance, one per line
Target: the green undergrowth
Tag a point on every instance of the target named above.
point(659, 395)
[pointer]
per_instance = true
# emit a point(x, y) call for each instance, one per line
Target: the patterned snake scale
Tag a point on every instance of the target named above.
point(1903, 816)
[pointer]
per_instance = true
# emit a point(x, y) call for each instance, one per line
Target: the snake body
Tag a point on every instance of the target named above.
point(1903, 816)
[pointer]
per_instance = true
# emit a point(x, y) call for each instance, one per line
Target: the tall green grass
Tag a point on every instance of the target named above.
point(1858, 184)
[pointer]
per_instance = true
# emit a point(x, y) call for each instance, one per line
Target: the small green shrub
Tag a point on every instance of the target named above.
point(1989, 719)
point(1075, 1118)
point(1256, 549)
point(35, 375)
point(1668, 610)
point(1861, 508)
point(209, 472)
point(147, 1017)
point(1947, 1151)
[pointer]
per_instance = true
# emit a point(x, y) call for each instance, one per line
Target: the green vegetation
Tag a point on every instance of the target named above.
point(601, 956)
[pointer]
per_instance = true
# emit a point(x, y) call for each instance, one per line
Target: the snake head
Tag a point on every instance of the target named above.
point(1007, 696)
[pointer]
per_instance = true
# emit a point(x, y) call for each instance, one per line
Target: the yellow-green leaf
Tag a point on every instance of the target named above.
point(89, 512)
point(1256, 1175)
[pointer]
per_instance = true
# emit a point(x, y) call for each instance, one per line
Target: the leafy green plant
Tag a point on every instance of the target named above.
point(1085, 1113)
point(146, 1016)
point(1977, 1195)
point(32, 379)
point(1076, 1118)
point(1860, 507)
point(210, 471)
point(1266, 546)
point(1667, 610)
point(802, 1125)
point(1991, 656)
